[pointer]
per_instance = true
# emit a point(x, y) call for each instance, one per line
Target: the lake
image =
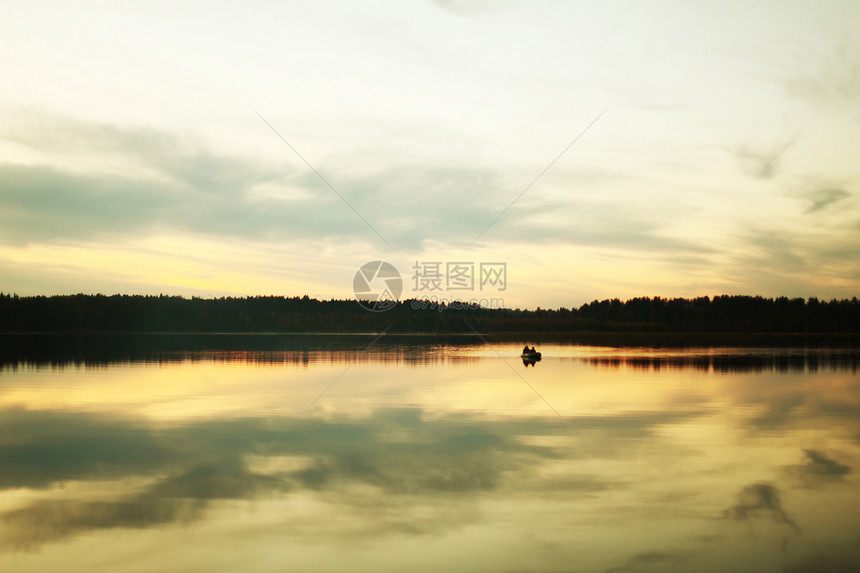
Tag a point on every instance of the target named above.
point(351, 453)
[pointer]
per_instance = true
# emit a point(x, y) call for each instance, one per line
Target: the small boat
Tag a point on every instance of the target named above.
point(530, 358)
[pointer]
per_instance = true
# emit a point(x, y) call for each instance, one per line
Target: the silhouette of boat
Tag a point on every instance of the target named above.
point(531, 356)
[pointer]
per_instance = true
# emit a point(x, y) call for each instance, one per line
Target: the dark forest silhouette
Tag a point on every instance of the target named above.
point(135, 313)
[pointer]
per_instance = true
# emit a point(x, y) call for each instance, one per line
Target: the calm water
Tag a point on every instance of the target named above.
point(429, 456)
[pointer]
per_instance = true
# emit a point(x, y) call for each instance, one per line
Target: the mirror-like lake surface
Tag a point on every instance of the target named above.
point(430, 457)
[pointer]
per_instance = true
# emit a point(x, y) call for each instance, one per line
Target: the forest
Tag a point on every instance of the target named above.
point(84, 313)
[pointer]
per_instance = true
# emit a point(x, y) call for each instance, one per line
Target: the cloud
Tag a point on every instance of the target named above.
point(42, 204)
point(441, 457)
point(44, 448)
point(397, 458)
point(844, 561)
point(781, 251)
point(140, 180)
point(821, 198)
point(227, 477)
point(129, 181)
point(827, 78)
point(800, 405)
point(465, 7)
point(653, 561)
point(820, 465)
point(760, 500)
point(818, 470)
point(761, 163)
point(792, 260)
point(42, 522)
point(782, 410)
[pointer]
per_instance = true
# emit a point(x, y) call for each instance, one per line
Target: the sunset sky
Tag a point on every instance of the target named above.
point(184, 148)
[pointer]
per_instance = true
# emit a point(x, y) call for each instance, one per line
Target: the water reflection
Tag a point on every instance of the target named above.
point(60, 351)
point(441, 461)
point(71, 350)
point(773, 361)
point(178, 470)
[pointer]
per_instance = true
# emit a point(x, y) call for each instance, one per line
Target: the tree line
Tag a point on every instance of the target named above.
point(137, 313)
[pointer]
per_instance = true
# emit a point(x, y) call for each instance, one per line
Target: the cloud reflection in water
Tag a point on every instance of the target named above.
point(694, 460)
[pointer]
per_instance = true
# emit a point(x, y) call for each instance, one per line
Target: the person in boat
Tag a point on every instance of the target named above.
point(526, 349)
point(533, 351)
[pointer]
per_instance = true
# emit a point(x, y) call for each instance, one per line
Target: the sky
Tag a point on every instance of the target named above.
point(597, 149)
